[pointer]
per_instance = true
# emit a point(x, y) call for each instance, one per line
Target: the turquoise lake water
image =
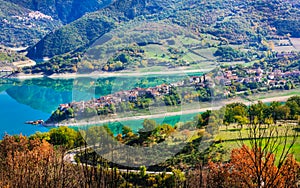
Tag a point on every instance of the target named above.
point(14, 114)
point(34, 99)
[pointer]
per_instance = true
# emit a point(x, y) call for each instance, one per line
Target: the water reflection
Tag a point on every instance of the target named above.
point(46, 94)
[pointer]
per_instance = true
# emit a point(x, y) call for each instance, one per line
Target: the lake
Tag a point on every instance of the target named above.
point(33, 99)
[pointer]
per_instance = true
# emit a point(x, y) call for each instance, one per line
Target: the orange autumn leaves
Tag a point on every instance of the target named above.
point(23, 159)
point(20, 151)
point(253, 168)
point(34, 163)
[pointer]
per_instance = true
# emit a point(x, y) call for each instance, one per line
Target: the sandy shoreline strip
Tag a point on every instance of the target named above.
point(192, 111)
point(23, 76)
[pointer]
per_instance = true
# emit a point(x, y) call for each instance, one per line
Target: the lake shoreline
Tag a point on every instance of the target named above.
point(102, 74)
point(170, 114)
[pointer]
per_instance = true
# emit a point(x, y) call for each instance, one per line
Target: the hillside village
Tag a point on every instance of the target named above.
point(255, 78)
point(280, 75)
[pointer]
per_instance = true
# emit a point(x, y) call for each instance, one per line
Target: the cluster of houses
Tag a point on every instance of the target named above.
point(38, 15)
point(266, 78)
point(133, 95)
point(33, 15)
point(230, 76)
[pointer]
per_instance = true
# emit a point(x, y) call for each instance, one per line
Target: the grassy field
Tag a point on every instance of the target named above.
point(230, 138)
point(233, 63)
point(277, 93)
point(296, 42)
point(208, 53)
point(187, 40)
point(155, 51)
point(160, 52)
point(280, 49)
point(293, 44)
point(191, 57)
point(228, 146)
point(234, 132)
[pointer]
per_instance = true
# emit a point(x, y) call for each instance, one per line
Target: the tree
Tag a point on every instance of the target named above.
point(198, 120)
point(112, 108)
point(205, 117)
point(85, 66)
point(123, 107)
point(258, 111)
point(262, 163)
point(40, 135)
point(119, 65)
point(288, 86)
point(143, 171)
point(294, 104)
point(281, 112)
point(108, 130)
point(126, 130)
point(164, 130)
point(253, 168)
point(64, 136)
point(148, 128)
point(178, 178)
point(70, 112)
point(241, 120)
point(105, 68)
point(168, 100)
point(119, 138)
point(271, 111)
point(149, 125)
point(98, 135)
point(58, 138)
point(235, 112)
point(36, 163)
point(89, 112)
point(93, 135)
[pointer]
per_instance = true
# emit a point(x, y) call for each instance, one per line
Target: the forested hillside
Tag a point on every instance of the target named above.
point(236, 22)
point(64, 10)
point(23, 27)
point(87, 29)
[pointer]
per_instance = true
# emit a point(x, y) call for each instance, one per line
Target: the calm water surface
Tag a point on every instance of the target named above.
point(14, 114)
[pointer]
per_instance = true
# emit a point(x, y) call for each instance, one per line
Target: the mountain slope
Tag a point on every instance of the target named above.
point(21, 26)
point(87, 29)
point(237, 22)
point(71, 37)
point(64, 10)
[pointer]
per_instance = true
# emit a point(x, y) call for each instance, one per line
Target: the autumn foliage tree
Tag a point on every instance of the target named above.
point(32, 163)
point(242, 172)
point(265, 162)
point(36, 163)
